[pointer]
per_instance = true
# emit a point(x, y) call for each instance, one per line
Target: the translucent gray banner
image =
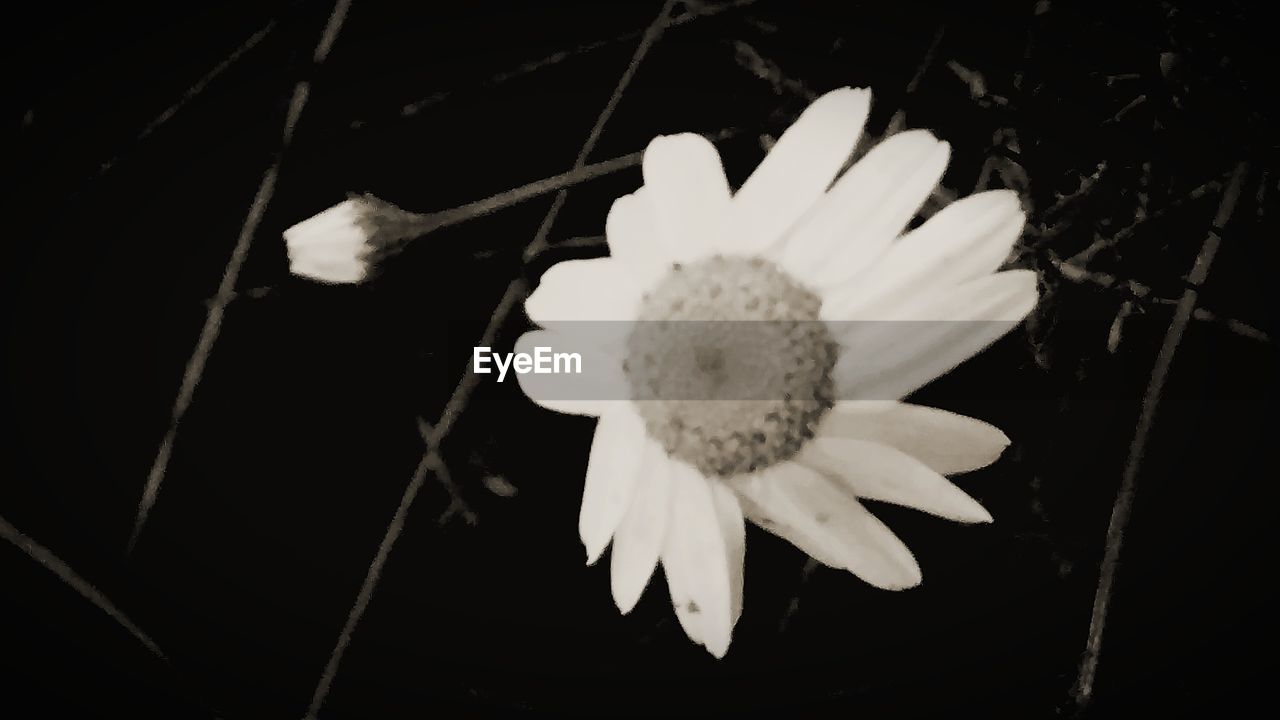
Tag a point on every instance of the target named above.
point(736, 360)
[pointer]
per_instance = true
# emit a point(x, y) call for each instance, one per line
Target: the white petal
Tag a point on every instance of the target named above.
point(613, 469)
point(635, 240)
point(774, 523)
point(695, 560)
point(1003, 297)
point(734, 530)
point(964, 241)
point(637, 543)
point(878, 472)
point(576, 290)
point(866, 209)
point(797, 171)
point(685, 181)
point(808, 509)
point(945, 441)
point(329, 246)
point(888, 360)
point(340, 270)
point(336, 227)
point(599, 386)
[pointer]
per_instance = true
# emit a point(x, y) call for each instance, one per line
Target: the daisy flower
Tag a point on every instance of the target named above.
point(671, 482)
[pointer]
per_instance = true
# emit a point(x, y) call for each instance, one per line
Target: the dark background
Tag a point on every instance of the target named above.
point(121, 214)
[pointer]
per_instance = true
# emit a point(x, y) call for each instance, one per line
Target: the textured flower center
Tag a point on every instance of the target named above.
point(730, 365)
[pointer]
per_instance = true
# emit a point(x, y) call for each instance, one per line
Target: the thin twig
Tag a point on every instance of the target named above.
point(691, 13)
point(941, 196)
point(72, 579)
point(367, 586)
point(578, 174)
point(974, 79)
point(898, 122)
point(1259, 199)
point(1107, 281)
point(582, 241)
point(1231, 325)
point(927, 60)
point(227, 287)
point(806, 572)
point(191, 93)
point(651, 36)
point(537, 188)
point(457, 505)
point(516, 291)
point(1101, 243)
point(1086, 186)
point(1097, 278)
point(750, 59)
point(1125, 110)
point(1120, 512)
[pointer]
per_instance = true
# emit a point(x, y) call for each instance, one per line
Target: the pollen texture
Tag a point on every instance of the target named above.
point(730, 365)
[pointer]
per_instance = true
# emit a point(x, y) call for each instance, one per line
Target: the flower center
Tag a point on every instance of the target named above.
point(730, 365)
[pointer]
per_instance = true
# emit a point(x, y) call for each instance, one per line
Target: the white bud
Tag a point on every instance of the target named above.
point(332, 246)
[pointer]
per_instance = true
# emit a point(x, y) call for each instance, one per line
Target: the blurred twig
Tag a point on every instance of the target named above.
point(582, 241)
point(1086, 186)
point(1101, 243)
point(191, 93)
point(1120, 512)
point(556, 183)
point(898, 122)
point(370, 582)
point(753, 62)
point(1125, 110)
point(806, 572)
point(1107, 281)
point(693, 11)
point(227, 287)
point(457, 505)
point(1232, 325)
point(72, 579)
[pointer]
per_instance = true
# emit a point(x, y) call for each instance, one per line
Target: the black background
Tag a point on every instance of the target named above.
point(302, 436)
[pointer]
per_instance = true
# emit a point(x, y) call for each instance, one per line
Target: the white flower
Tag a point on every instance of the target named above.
point(672, 481)
point(344, 244)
